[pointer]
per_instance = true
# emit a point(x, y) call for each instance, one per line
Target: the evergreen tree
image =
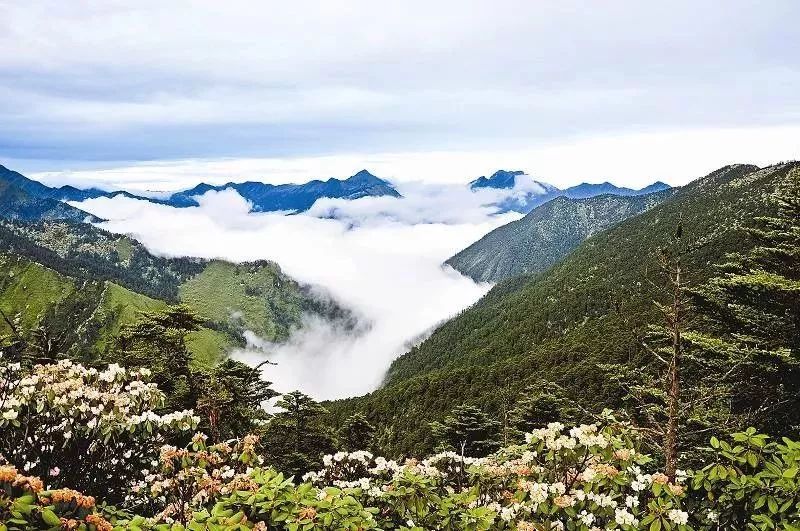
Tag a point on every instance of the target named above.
point(468, 431)
point(158, 342)
point(230, 398)
point(751, 315)
point(296, 439)
point(357, 433)
point(537, 406)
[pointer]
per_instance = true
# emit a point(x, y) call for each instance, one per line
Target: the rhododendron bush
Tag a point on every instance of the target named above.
point(65, 426)
point(82, 427)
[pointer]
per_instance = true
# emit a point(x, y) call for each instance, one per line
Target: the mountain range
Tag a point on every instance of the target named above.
point(547, 234)
point(263, 197)
point(561, 325)
point(530, 193)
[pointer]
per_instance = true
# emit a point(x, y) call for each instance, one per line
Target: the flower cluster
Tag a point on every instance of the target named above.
point(585, 478)
point(188, 479)
point(81, 426)
point(24, 502)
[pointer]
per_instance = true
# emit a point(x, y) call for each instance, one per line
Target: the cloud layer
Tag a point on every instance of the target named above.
point(382, 259)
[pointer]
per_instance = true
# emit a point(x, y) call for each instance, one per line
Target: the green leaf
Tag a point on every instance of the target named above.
point(50, 518)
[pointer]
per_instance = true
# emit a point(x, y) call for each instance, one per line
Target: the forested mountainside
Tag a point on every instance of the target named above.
point(591, 308)
point(24, 199)
point(87, 283)
point(547, 234)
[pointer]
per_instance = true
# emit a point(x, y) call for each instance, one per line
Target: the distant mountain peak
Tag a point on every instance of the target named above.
point(499, 179)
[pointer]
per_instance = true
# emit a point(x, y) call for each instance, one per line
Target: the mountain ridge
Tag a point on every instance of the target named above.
point(534, 193)
point(546, 234)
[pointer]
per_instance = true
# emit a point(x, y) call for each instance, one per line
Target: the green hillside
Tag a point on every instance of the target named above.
point(251, 296)
point(547, 234)
point(590, 308)
point(87, 283)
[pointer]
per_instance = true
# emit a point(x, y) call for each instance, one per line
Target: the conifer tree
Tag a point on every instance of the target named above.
point(751, 318)
point(296, 439)
point(357, 433)
point(158, 342)
point(230, 399)
point(468, 431)
point(537, 406)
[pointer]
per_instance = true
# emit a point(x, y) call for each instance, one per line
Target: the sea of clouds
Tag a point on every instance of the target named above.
point(380, 257)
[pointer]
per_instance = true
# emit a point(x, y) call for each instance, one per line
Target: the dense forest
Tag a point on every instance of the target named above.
point(650, 380)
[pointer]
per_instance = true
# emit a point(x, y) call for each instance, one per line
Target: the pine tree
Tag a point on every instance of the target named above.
point(296, 439)
point(751, 315)
point(158, 342)
point(230, 399)
point(357, 433)
point(469, 431)
point(537, 406)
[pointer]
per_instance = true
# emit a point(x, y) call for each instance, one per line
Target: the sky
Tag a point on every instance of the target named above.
point(159, 95)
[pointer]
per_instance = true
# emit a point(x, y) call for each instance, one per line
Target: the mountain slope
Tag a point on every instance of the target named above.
point(292, 197)
point(546, 234)
point(590, 308)
point(585, 190)
point(28, 200)
point(49, 266)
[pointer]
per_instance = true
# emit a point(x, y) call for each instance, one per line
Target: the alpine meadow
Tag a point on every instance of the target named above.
point(440, 266)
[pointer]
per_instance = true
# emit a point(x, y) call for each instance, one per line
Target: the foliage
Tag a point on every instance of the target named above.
point(82, 427)
point(468, 431)
point(295, 438)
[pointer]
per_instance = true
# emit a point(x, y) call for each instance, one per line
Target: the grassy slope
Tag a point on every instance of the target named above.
point(28, 290)
point(558, 325)
point(255, 297)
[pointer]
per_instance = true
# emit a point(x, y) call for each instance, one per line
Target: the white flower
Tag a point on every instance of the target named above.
point(623, 517)
point(632, 501)
point(712, 516)
point(586, 518)
point(678, 516)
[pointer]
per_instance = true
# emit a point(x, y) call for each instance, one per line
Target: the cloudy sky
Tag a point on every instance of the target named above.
point(156, 94)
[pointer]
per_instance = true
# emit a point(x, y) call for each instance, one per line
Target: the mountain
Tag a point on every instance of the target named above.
point(290, 197)
point(585, 190)
point(592, 307)
point(28, 200)
point(529, 193)
point(88, 283)
point(547, 234)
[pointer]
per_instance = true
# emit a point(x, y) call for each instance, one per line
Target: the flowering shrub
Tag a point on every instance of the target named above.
point(82, 427)
point(24, 504)
point(64, 426)
point(581, 479)
point(751, 482)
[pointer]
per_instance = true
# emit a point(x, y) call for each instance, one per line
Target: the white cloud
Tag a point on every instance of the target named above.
point(386, 268)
